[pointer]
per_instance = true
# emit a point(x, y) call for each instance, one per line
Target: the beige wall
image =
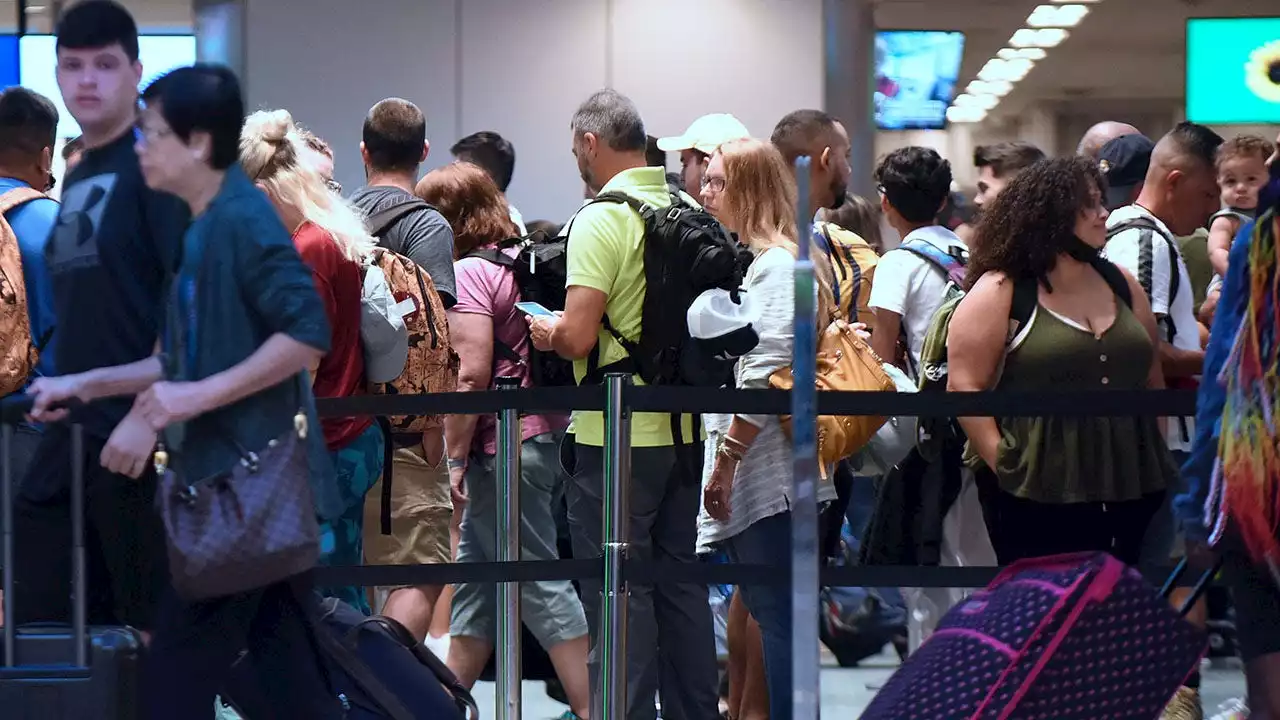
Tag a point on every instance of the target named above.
point(521, 68)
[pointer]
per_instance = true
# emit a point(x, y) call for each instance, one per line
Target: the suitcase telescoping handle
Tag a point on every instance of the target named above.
point(12, 410)
point(1197, 590)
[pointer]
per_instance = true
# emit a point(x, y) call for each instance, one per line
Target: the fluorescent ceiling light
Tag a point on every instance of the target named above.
point(1007, 70)
point(998, 88)
point(965, 115)
point(1042, 38)
point(1057, 16)
point(1072, 2)
point(1031, 53)
point(986, 102)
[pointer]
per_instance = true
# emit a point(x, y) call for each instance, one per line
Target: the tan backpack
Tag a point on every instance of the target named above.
point(432, 366)
point(18, 353)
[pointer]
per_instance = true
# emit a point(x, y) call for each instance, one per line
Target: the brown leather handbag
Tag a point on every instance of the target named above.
point(245, 528)
point(845, 363)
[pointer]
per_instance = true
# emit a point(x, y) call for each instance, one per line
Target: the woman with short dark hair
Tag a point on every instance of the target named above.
point(244, 324)
point(1054, 485)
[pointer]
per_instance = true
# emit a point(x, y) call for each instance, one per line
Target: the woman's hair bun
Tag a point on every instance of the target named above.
point(270, 126)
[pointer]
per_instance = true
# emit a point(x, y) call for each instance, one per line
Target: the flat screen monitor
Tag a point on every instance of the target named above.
point(916, 76)
point(1233, 70)
point(158, 53)
point(9, 61)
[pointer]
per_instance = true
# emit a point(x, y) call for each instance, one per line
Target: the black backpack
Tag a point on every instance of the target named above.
point(540, 271)
point(686, 252)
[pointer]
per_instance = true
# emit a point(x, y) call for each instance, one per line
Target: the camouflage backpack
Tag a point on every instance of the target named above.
point(19, 352)
point(432, 365)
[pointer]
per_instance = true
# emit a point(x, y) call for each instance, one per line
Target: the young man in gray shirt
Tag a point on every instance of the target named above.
point(394, 146)
point(422, 509)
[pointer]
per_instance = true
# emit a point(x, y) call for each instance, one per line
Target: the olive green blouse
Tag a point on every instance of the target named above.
point(1080, 459)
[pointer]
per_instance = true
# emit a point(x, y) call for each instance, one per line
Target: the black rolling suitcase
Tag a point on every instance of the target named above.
point(52, 671)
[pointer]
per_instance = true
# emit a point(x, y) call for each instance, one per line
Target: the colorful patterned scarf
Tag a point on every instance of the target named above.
point(1246, 485)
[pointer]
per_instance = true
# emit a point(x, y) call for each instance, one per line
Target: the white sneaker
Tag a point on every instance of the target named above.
point(438, 645)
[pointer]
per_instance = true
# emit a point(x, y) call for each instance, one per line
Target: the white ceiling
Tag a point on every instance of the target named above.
point(1123, 50)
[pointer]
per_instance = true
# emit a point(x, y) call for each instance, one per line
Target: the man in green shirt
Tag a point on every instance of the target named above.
point(671, 645)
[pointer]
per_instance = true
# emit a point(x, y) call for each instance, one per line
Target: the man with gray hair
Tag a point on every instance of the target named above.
point(671, 646)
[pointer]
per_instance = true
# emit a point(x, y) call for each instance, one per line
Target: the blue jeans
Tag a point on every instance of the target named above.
point(768, 542)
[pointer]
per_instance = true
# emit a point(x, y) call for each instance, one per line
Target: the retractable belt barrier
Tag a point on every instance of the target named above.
point(638, 398)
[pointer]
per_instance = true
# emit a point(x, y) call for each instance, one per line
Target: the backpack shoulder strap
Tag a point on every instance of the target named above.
point(18, 197)
point(1140, 222)
point(1146, 241)
point(493, 255)
point(1115, 278)
point(943, 261)
point(1026, 296)
point(618, 197)
point(380, 222)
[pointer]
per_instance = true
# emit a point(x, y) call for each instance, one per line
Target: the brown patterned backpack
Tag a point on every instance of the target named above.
point(18, 352)
point(432, 366)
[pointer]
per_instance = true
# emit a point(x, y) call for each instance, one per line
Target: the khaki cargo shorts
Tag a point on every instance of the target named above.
point(421, 510)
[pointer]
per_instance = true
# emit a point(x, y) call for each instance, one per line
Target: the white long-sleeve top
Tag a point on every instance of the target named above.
point(762, 486)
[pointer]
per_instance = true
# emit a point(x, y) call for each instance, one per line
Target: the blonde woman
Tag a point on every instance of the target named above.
point(332, 240)
point(747, 492)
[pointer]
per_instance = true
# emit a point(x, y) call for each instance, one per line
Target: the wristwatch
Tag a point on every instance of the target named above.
point(456, 463)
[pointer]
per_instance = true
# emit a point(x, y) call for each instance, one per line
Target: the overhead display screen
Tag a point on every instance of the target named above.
point(9, 61)
point(916, 76)
point(158, 53)
point(1233, 70)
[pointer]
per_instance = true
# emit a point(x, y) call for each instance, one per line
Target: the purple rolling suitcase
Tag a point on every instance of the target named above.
point(1071, 637)
point(51, 671)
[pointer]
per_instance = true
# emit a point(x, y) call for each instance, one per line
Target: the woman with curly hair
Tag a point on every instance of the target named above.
point(1055, 485)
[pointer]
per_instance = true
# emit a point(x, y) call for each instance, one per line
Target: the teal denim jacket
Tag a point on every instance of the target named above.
point(241, 281)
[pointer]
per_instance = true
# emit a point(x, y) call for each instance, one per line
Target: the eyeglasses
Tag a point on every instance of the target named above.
point(714, 184)
point(334, 186)
point(150, 135)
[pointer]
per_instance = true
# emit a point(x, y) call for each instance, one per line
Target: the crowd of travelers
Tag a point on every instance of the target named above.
point(202, 279)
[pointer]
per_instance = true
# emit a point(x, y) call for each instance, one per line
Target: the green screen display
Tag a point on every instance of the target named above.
point(1233, 70)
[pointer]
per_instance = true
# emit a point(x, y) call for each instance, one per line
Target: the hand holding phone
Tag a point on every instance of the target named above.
point(534, 309)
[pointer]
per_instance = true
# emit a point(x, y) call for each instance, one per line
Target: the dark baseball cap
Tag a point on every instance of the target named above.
point(1124, 162)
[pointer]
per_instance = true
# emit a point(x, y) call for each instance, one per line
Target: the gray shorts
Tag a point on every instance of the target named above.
point(550, 609)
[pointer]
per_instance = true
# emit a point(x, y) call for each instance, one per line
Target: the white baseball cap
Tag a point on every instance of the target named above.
point(706, 134)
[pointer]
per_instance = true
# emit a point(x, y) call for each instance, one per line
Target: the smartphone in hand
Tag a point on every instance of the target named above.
point(534, 309)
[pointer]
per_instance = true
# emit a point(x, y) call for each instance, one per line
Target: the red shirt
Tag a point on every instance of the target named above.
point(341, 372)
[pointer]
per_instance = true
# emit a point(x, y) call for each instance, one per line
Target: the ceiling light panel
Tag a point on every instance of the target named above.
point(1057, 16)
point(986, 102)
point(1007, 70)
point(965, 115)
point(1030, 53)
point(997, 88)
point(1041, 38)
